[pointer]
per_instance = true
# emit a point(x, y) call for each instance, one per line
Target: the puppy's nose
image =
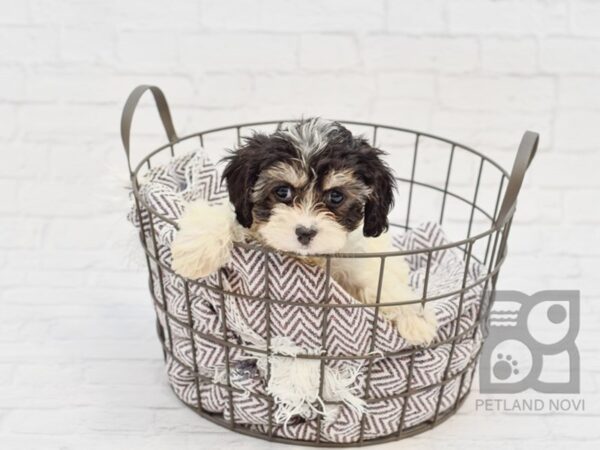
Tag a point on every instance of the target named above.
point(305, 234)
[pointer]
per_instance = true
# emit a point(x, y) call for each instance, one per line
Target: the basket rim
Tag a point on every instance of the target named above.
point(496, 224)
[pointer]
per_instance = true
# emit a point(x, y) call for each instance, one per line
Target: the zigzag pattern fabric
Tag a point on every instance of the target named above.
point(401, 386)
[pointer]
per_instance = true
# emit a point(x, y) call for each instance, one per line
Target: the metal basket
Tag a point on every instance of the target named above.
point(488, 246)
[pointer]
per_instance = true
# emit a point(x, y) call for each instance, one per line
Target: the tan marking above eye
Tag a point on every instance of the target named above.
point(346, 181)
point(286, 173)
point(338, 178)
point(278, 174)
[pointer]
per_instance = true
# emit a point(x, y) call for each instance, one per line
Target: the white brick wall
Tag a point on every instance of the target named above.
point(80, 367)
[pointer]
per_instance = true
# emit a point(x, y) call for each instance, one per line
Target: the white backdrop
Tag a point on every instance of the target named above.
point(71, 293)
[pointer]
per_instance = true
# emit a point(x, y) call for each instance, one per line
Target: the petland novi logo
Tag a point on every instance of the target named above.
point(531, 344)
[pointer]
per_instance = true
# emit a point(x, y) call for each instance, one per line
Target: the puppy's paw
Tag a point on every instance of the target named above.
point(417, 327)
point(204, 241)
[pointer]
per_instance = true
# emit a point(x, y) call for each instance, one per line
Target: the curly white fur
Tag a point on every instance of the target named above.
point(205, 239)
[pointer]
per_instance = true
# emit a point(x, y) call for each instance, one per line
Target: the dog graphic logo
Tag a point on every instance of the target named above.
point(524, 334)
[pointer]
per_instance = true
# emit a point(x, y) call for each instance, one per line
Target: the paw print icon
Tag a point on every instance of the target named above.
point(505, 367)
point(531, 343)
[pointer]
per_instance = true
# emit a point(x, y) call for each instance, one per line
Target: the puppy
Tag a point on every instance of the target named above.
point(312, 188)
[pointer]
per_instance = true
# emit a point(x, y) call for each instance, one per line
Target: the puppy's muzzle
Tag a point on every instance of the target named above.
point(305, 234)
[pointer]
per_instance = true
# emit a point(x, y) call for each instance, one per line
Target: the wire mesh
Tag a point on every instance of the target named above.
point(491, 237)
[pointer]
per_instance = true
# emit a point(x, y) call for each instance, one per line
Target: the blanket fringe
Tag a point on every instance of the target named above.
point(294, 382)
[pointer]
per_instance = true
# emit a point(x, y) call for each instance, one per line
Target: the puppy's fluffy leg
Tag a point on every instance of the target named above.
point(416, 323)
point(360, 276)
point(205, 238)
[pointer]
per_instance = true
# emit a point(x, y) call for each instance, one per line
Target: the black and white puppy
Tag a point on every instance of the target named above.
point(311, 188)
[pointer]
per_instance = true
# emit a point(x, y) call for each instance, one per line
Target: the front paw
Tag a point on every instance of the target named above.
point(419, 327)
point(196, 262)
point(204, 241)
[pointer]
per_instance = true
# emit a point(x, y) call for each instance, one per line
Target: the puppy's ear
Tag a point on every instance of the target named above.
point(241, 172)
point(379, 177)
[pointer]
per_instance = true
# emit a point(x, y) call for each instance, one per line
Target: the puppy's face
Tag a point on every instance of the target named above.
point(306, 188)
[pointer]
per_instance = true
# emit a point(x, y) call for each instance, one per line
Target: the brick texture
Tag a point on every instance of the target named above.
point(80, 367)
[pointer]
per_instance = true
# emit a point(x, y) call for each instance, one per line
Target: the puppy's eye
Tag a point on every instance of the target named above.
point(283, 193)
point(334, 197)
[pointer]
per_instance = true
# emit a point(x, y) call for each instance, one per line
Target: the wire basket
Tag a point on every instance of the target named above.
point(472, 195)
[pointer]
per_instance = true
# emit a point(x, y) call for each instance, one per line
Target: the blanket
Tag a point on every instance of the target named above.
point(397, 386)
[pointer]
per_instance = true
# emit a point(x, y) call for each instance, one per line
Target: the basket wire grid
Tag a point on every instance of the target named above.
point(493, 248)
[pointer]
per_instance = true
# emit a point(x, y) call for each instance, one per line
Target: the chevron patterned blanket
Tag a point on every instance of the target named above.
point(382, 395)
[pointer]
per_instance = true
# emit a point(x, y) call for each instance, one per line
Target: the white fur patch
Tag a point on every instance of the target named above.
point(205, 239)
point(360, 278)
point(280, 230)
point(309, 136)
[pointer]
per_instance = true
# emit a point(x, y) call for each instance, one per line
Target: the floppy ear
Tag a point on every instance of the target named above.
point(241, 172)
point(379, 177)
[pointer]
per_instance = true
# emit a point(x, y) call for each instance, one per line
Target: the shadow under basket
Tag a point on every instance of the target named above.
point(239, 343)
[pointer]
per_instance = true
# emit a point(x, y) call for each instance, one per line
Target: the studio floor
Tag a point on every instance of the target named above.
point(87, 373)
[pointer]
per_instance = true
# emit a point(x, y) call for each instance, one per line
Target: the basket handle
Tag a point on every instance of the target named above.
point(129, 109)
point(525, 154)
